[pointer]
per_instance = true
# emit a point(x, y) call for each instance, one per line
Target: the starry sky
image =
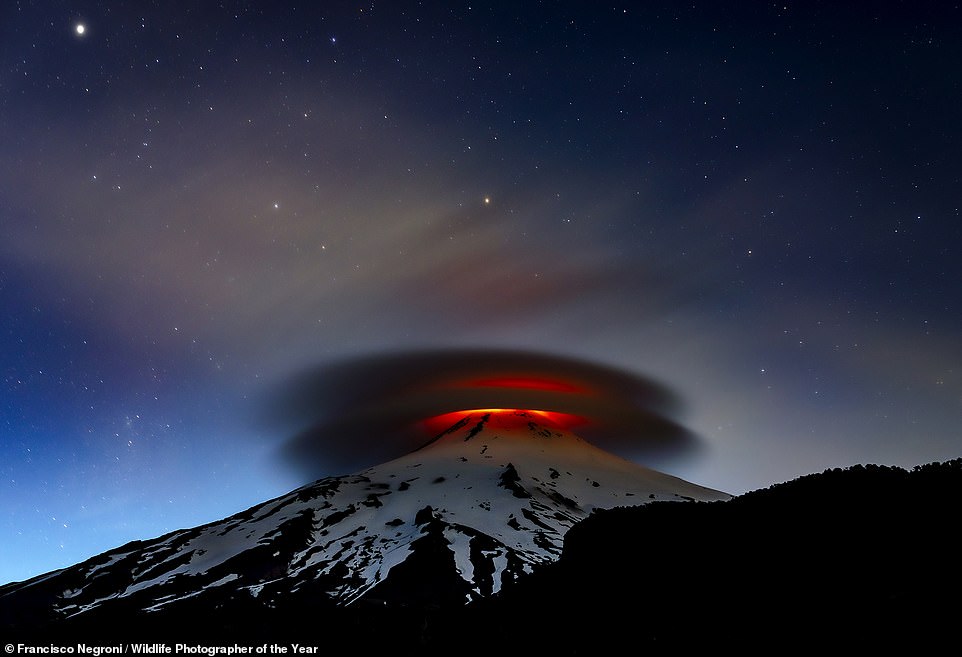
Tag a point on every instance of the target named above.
point(753, 204)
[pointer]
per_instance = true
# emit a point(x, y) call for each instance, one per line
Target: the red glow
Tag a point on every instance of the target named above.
point(528, 382)
point(554, 419)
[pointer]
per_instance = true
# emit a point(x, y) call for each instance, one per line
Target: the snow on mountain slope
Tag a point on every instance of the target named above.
point(493, 495)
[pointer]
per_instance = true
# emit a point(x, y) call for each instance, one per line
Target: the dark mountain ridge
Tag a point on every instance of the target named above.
point(862, 558)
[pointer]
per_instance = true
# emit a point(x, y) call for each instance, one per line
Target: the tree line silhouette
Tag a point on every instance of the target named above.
point(862, 557)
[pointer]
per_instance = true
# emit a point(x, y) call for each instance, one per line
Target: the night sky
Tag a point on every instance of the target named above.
point(755, 205)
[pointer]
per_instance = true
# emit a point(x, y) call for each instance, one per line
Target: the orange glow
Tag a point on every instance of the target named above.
point(445, 421)
point(528, 382)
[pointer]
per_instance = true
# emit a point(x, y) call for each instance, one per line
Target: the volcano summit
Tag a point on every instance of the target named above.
point(482, 504)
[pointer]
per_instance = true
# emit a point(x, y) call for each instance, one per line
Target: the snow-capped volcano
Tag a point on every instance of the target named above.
point(483, 503)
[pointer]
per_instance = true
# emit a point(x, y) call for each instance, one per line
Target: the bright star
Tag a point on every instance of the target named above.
point(80, 28)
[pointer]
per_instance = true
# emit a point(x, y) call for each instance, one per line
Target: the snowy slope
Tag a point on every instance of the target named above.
point(492, 497)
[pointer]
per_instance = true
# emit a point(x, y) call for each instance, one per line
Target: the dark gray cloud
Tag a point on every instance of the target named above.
point(356, 412)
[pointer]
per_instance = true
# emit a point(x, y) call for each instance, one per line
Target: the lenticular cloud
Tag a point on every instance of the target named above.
point(347, 415)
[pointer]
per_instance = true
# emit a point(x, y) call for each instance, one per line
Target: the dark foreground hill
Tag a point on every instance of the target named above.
point(862, 558)
point(868, 558)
